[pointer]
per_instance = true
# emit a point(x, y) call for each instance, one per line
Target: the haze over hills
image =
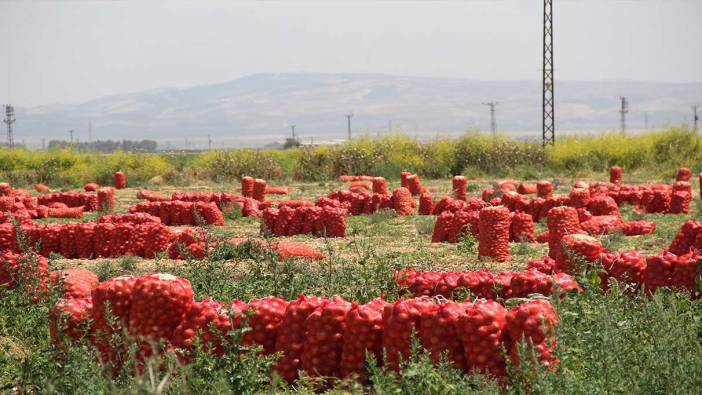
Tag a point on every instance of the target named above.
point(258, 109)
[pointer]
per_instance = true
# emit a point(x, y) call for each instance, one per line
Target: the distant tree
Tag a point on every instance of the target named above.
point(291, 143)
point(107, 146)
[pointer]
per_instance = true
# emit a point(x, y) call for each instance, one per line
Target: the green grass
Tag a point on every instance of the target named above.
point(607, 343)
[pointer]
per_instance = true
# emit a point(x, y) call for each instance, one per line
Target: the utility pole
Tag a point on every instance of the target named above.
point(623, 111)
point(9, 120)
point(548, 131)
point(348, 119)
point(493, 121)
point(695, 117)
point(70, 132)
point(209, 142)
point(292, 127)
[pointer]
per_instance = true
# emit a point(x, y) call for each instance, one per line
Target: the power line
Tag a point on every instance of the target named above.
point(624, 109)
point(348, 119)
point(9, 120)
point(493, 121)
point(548, 131)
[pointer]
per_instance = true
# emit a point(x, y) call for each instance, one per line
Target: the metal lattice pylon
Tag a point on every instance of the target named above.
point(549, 114)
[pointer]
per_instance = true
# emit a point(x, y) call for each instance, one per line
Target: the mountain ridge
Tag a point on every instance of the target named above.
point(257, 109)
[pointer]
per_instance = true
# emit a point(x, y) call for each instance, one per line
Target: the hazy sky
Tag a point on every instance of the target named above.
point(73, 51)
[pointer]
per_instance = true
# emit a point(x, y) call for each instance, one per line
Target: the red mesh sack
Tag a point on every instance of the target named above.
point(488, 194)
point(247, 186)
point(579, 246)
point(312, 216)
point(544, 265)
point(459, 185)
point(530, 282)
point(198, 323)
point(106, 200)
point(120, 180)
point(114, 294)
point(68, 241)
point(158, 304)
point(50, 239)
point(602, 224)
point(264, 320)
point(659, 271)
point(533, 322)
point(403, 179)
point(544, 189)
point(438, 332)
point(41, 188)
point(399, 321)
point(414, 184)
point(480, 283)
point(584, 215)
point(402, 201)
point(68, 212)
point(494, 233)
point(363, 335)
point(325, 327)
point(69, 320)
point(91, 187)
point(259, 190)
point(561, 221)
point(296, 249)
point(626, 268)
point(380, 185)
point(482, 330)
point(636, 228)
point(579, 197)
point(425, 204)
point(680, 202)
point(685, 273)
point(683, 174)
point(441, 227)
point(291, 341)
point(277, 190)
point(74, 283)
point(24, 267)
point(334, 222)
point(522, 228)
point(526, 189)
point(84, 240)
point(269, 219)
point(615, 175)
point(285, 216)
point(685, 237)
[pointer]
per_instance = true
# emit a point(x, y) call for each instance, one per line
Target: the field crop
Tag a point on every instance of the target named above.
point(381, 310)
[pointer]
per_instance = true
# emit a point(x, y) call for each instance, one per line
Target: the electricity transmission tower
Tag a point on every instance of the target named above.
point(623, 111)
point(695, 117)
point(9, 120)
point(493, 121)
point(548, 132)
point(348, 119)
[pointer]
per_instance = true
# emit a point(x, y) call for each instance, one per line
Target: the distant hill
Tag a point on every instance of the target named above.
point(257, 110)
